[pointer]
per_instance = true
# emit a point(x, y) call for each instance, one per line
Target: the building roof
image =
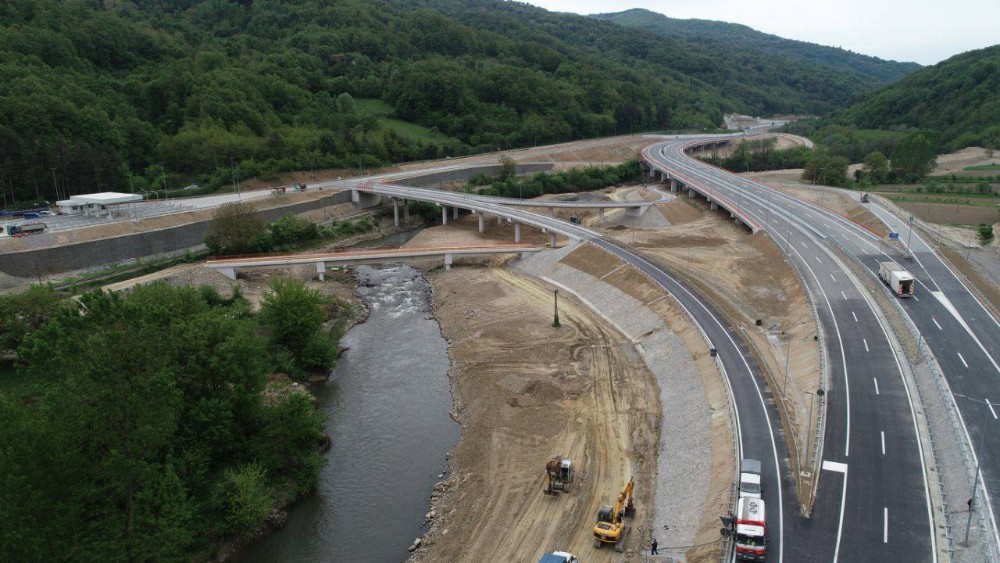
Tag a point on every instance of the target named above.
point(103, 198)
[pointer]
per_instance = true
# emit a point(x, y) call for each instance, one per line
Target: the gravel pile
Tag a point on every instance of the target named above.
point(683, 459)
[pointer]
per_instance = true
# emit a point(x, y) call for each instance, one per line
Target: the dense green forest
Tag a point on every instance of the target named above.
point(959, 99)
point(799, 57)
point(129, 94)
point(155, 438)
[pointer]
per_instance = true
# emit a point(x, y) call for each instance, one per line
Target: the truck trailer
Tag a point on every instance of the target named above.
point(897, 278)
point(751, 530)
point(22, 230)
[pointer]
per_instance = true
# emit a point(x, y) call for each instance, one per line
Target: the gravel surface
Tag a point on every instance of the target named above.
point(683, 460)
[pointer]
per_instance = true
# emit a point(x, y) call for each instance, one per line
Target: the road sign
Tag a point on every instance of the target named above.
point(893, 235)
point(911, 218)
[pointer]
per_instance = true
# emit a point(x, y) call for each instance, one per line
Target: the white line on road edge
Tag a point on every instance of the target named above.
point(963, 359)
point(936, 323)
point(876, 385)
point(989, 404)
point(835, 466)
point(844, 294)
point(885, 529)
point(865, 340)
point(883, 442)
point(853, 314)
point(833, 278)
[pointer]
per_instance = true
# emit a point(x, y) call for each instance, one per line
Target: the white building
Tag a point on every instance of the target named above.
point(100, 204)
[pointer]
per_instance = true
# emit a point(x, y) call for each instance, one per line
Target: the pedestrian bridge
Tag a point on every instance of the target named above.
point(227, 266)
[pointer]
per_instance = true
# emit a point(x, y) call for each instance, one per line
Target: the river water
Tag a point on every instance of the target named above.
point(386, 406)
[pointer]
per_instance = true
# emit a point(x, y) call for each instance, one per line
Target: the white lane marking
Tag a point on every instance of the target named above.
point(915, 298)
point(989, 404)
point(855, 316)
point(936, 323)
point(844, 294)
point(964, 363)
point(885, 529)
point(876, 386)
point(804, 245)
point(818, 260)
point(835, 466)
point(865, 340)
point(883, 443)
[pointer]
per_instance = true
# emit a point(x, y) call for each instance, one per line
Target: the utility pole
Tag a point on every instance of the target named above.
point(788, 350)
point(555, 318)
point(55, 184)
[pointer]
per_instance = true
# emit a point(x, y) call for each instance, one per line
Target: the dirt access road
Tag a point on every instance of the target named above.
point(526, 391)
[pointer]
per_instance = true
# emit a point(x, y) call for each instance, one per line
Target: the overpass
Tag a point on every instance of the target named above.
point(228, 266)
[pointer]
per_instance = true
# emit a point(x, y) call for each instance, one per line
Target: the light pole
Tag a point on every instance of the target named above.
point(55, 184)
point(788, 354)
point(979, 460)
point(555, 318)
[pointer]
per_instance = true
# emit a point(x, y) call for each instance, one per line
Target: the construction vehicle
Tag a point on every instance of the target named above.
point(611, 527)
point(558, 475)
point(897, 278)
point(22, 230)
point(751, 530)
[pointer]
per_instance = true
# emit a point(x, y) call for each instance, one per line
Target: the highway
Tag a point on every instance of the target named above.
point(873, 498)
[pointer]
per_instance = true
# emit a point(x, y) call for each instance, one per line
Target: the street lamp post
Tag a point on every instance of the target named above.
point(555, 317)
point(788, 354)
point(55, 184)
point(979, 459)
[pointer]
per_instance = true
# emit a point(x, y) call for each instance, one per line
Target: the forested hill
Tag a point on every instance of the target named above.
point(743, 38)
point(169, 92)
point(958, 98)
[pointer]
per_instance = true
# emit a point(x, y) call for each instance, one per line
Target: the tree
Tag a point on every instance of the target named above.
point(875, 168)
point(295, 314)
point(822, 168)
point(23, 313)
point(916, 154)
point(508, 168)
point(236, 228)
point(247, 498)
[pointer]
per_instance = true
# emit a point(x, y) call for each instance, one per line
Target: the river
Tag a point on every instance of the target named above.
point(386, 406)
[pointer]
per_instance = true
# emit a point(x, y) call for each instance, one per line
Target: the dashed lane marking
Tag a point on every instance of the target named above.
point(835, 466)
point(964, 363)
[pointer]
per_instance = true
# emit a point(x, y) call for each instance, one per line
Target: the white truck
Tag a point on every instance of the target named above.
point(558, 557)
point(751, 530)
point(897, 278)
point(750, 482)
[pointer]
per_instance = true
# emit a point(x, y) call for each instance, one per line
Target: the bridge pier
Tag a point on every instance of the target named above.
point(454, 213)
point(406, 210)
point(713, 206)
point(321, 271)
point(482, 221)
point(365, 200)
point(673, 186)
point(636, 211)
point(447, 262)
point(499, 220)
point(600, 215)
point(395, 213)
point(444, 215)
point(552, 211)
point(553, 240)
point(690, 192)
point(228, 272)
point(517, 233)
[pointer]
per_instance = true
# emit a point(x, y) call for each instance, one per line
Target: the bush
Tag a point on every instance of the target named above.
point(985, 233)
point(246, 498)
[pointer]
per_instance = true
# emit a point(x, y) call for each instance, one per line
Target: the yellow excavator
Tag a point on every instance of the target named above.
point(611, 527)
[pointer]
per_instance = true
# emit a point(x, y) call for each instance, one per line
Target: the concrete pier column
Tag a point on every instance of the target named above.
point(444, 215)
point(600, 215)
point(517, 234)
point(499, 220)
point(406, 210)
point(395, 213)
point(553, 240)
point(454, 213)
point(321, 270)
point(482, 222)
point(713, 206)
point(690, 192)
point(447, 262)
point(673, 185)
point(228, 272)
point(552, 211)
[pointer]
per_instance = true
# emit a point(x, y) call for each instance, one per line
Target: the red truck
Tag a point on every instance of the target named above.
point(751, 530)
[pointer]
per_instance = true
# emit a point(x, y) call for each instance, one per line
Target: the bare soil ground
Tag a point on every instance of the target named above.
point(526, 391)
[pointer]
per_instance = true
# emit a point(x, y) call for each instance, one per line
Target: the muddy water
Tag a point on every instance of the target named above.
point(386, 408)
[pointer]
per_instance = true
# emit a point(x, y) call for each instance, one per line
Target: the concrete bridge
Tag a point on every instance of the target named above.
point(503, 209)
point(679, 181)
point(228, 266)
